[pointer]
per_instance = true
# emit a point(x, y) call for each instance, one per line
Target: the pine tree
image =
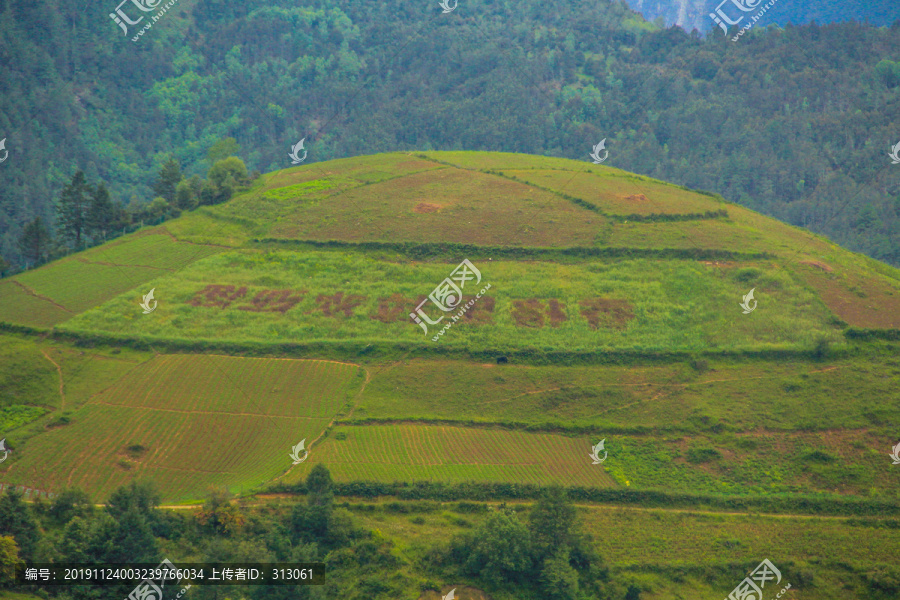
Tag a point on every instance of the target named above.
point(168, 179)
point(102, 215)
point(73, 209)
point(35, 241)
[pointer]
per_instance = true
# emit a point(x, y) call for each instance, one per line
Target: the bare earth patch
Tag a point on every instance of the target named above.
point(607, 312)
point(818, 264)
point(425, 207)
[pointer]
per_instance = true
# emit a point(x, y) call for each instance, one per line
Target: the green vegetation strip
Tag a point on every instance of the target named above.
point(820, 504)
point(452, 251)
point(373, 352)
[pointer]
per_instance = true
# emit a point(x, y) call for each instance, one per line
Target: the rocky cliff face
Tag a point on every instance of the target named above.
point(694, 14)
point(688, 14)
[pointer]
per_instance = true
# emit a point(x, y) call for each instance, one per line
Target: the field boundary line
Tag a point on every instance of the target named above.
point(109, 264)
point(62, 394)
point(31, 292)
point(164, 231)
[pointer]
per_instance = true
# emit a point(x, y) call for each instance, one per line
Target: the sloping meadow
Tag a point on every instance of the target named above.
point(336, 295)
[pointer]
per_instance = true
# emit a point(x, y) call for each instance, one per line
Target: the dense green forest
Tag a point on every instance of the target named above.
point(795, 123)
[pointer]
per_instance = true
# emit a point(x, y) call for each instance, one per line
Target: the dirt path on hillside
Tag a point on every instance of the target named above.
point(62, 393)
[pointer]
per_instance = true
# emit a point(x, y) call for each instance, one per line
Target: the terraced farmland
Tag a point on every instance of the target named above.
point(389, 453)
point(55, 292)
point(188, 422)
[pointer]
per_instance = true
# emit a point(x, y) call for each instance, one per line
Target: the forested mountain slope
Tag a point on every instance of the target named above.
point(796, 123)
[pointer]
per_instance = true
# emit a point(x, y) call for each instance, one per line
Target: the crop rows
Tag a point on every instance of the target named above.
point(181, 423)
point(454, 454)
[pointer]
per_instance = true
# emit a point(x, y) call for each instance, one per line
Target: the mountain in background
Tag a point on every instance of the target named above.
point(796, 124)
point(694, 14)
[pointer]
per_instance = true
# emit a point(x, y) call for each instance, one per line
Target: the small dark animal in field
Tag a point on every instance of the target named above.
point(502, 360)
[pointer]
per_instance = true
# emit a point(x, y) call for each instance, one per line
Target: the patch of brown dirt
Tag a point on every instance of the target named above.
point(217, 295)
point(425, 207)
point(331, 305)
point(636, 198)
point(866, 302)
point(480, 313)
point(607, 312)
point(395, 307)
point(557, 313)
point(279, 301)
point(530, 313)
point(816, 263)
point(527, 313)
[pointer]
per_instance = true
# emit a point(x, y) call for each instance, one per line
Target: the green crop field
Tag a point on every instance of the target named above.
point(186, 423)
point(454, 454)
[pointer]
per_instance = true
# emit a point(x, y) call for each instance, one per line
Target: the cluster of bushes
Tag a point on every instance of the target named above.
point(546, 554)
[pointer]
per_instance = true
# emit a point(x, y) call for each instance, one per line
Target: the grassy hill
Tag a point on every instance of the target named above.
point(613, 313)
